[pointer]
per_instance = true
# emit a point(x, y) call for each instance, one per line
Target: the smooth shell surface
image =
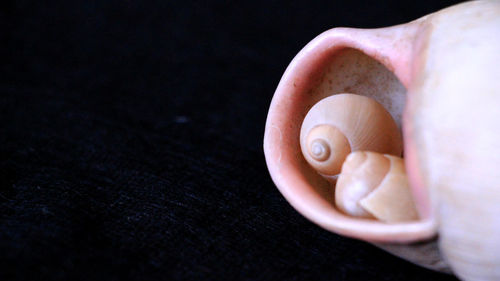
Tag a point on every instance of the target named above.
point(452, 134)
point(374, 185)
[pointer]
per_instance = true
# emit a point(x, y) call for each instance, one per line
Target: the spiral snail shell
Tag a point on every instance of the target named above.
point(342, 123)
point(438, 77)
point(373, 185)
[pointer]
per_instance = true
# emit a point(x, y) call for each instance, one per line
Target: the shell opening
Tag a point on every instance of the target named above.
point(331, 64)
point(328, 71)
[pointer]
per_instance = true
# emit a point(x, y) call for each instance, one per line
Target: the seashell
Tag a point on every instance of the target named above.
point(437, 76)
point(342, 123)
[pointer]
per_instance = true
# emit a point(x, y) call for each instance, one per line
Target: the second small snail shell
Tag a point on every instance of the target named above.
point(342, 123)
point(373, 185)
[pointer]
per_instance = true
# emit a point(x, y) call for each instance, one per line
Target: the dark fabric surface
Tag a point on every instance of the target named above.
point(131, 142)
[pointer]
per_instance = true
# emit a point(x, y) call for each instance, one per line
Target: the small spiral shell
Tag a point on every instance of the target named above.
point(342, 123)
point(373, 185)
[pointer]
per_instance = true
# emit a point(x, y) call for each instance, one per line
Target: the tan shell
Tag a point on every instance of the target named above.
point(373, 185)
point(342, 123)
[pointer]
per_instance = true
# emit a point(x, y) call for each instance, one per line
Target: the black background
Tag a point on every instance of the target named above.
point(131, 142)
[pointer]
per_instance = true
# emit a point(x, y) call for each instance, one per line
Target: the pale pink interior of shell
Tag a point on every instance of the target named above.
point(317, 72)
point(351, 71)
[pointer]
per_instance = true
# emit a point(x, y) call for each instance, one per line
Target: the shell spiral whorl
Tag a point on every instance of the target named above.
point(327, 147)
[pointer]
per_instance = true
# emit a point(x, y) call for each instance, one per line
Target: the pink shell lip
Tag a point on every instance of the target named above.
point(304, 189)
